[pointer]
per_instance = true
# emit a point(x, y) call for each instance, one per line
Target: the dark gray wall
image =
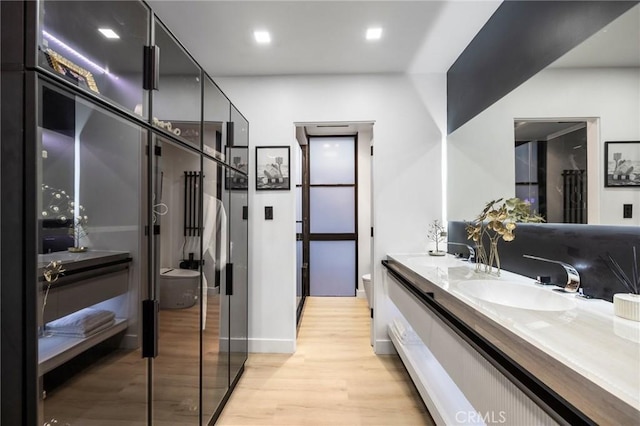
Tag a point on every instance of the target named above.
point(582, 246)
point(520, 39)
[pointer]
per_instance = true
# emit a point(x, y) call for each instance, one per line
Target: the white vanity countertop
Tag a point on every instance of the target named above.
point(588, 338)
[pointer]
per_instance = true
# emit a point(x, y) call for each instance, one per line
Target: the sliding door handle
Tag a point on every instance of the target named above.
point(229, 283)
point(149, 328)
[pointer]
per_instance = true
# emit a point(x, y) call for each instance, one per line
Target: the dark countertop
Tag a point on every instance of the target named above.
point(87, 259)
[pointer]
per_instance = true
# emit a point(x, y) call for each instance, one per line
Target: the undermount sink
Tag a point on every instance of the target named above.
point(431, 261)
point(516, 295)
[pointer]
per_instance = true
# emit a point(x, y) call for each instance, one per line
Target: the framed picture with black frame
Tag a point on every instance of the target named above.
point(272, 168)
point(237, 178)
point(622, 164)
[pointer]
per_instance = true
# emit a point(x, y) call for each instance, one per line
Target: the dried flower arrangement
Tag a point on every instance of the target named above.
point(436, 233)
point(498, 221)
point(632, 284)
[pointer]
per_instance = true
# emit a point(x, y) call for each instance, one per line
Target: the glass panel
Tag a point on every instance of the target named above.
point(332, 210)
point(90, 170)
point(332, 160)
point(333, 268)
point(298, 271)
point(298, 191)
point(527, 162)
point(71, 45)
point(177, 104)
point(215, 357)
point(238, 301)
point(238, 149)
point(216, 116)
point(298, 166)
point(176, 369)
point(237, 178)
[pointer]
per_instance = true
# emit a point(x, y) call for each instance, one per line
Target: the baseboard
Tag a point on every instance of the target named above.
point(360, 294)
point(384, 347)
point(279, 346)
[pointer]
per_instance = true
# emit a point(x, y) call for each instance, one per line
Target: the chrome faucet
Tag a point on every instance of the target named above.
point(573, 278)
point(472, 252)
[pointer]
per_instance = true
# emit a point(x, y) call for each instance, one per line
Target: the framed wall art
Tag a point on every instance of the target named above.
point(272, 168)
point(622, 164)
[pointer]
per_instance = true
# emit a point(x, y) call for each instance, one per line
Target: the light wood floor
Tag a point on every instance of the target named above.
point(334, 378)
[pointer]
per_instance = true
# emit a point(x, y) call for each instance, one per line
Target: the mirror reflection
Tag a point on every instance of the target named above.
point(596, 83)
point(551, 168)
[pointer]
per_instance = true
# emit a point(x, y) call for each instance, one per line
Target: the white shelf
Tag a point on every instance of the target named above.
point(441, 395)
point(56, 350)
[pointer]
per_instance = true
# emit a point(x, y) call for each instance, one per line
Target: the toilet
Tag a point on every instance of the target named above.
point(178, 288)
point(366, 281)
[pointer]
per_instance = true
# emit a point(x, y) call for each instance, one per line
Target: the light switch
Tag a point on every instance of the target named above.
point(627, 211)
point(268, 213)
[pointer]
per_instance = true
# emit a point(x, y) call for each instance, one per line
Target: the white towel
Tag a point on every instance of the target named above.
point(95, 330)
point(404, 332)
point(81, 322)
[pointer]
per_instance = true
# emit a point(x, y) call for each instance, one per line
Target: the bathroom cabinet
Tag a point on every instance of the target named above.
point(98, 138)
point(89, 278)
point(543, 364)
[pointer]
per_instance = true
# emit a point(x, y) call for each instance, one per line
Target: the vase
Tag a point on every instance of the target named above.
point(481, 257)
point(494, 257)
point(627, 305)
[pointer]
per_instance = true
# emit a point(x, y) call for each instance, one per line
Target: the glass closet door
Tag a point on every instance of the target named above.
point(91, 262)
point(177, 283)
point(97, 46)
point(215, 355)
point(178, 287)
point(237, 212)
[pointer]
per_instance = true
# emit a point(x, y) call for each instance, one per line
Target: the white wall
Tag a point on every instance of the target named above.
point(481, 156)
point(407, 179)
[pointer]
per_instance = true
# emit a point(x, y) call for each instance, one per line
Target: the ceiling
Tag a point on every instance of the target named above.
point(324, 37)
point(541, 130)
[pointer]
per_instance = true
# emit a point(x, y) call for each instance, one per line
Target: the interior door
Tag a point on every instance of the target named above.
point(237, 269)
point(332, 216)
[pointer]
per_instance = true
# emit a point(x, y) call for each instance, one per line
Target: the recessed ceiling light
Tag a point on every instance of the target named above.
point(108, 33)
point(374, 33)
point(262, 37)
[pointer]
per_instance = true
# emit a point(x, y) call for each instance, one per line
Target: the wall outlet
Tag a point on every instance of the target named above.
point(627, 211)
point(268, 213)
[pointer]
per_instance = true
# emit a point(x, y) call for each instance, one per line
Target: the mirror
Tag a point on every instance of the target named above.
point(551, 168)
point(598, 83)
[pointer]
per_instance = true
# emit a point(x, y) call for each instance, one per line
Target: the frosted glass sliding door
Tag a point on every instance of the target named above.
point(332, 192)
point(333, 268)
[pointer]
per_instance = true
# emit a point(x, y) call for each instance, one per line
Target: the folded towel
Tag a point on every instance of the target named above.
point(95, 330)
point(404, 333)
point(400, 328)
point(83, 321)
